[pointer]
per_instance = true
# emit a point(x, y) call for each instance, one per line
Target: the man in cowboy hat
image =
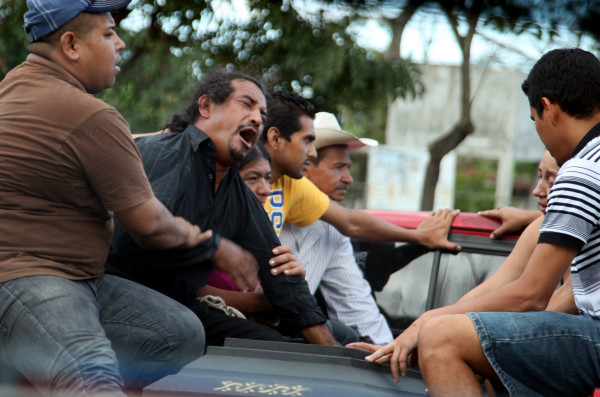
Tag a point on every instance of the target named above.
point(326, 254)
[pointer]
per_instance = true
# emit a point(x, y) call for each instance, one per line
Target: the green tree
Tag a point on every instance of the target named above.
point(313, 56)
point(172, 43)
point(13, 45)
point(176, 41)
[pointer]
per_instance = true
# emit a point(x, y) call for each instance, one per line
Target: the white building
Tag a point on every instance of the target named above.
point(504, 132)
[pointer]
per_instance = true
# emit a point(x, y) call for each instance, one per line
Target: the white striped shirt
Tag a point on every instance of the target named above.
point(329, 261)
point(573, 219)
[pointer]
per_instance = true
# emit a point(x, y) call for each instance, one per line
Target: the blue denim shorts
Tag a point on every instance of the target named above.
point(542, 353)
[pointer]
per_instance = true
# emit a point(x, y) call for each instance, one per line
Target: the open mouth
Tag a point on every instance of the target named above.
point(248, 134)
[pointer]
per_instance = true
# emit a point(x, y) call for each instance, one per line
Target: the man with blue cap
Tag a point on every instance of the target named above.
point(67, 163)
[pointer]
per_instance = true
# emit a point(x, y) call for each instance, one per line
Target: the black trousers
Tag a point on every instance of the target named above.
point(218, 326)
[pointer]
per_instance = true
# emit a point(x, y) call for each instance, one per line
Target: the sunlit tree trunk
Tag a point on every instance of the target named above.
point(398, 25)
point(464, 126)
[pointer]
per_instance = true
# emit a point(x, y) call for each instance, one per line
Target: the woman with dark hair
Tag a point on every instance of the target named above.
point(255, 170)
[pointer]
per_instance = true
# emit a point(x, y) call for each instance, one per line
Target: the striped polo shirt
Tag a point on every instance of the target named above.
point(573, 219)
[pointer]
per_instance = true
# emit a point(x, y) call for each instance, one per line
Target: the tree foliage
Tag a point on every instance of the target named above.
point(13, 46)
point(172, 43)
point(313, 56)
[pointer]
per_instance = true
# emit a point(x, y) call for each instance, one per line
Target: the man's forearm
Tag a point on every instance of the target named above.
point(318, 335)
point(432, 232)
point(562, 300)
point(153, 226)
point(361, 225)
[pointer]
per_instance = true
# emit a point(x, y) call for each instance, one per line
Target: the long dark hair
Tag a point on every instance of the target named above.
point(217, 86)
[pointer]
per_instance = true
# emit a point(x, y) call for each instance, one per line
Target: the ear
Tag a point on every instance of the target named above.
point(273, 137)
point(553, 110)
point(68, 45)
point(204, 106)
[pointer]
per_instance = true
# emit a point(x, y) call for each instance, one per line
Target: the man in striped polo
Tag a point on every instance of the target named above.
point(540, 353)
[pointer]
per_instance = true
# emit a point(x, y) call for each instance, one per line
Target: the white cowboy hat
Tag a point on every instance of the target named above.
point(328, 132)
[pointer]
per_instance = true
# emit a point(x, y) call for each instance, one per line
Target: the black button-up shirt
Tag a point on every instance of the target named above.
point(181, 168)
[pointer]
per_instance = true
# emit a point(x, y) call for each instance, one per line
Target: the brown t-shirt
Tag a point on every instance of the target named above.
point(67, 160)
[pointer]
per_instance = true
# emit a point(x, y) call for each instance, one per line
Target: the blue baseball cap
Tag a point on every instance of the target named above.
point(46, 16)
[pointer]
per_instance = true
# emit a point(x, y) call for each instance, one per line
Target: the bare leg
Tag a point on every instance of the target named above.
point(451, 357)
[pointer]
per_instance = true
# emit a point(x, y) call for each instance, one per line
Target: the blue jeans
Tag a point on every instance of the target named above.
point(83, 338)
point(542, 353)
point(342, 333)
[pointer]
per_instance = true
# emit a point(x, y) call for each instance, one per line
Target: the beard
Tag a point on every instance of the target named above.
point(237, 154)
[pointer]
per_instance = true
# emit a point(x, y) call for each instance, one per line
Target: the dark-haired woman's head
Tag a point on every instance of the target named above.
point(255, 170)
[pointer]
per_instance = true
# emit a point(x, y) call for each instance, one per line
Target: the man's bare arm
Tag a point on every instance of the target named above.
point(513, 220)
point(511, 269)
point(153, 226)
point(318, 335)
point(562, 299)
point(431, 233)
point(513, 265)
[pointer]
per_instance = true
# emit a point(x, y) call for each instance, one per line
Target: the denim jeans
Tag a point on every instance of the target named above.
point(542, 353)
point(342, 333)
point(84, 338)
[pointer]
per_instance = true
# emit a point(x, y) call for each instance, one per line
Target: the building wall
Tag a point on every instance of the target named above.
point(503, 131)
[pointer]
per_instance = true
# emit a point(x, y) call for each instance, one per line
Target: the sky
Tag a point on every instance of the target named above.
point(427, 37)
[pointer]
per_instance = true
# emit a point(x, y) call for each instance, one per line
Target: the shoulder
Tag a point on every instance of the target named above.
point(71, 96)
point(590, 150)
point(159, 139)
point(304, 183)
point(281, 182)
point(169, 147)
point(304, 189)
point(579, 172)
point(94, 124)
point(286, 182)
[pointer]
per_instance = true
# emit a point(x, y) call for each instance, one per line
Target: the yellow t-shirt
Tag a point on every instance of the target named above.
point(296, 201)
